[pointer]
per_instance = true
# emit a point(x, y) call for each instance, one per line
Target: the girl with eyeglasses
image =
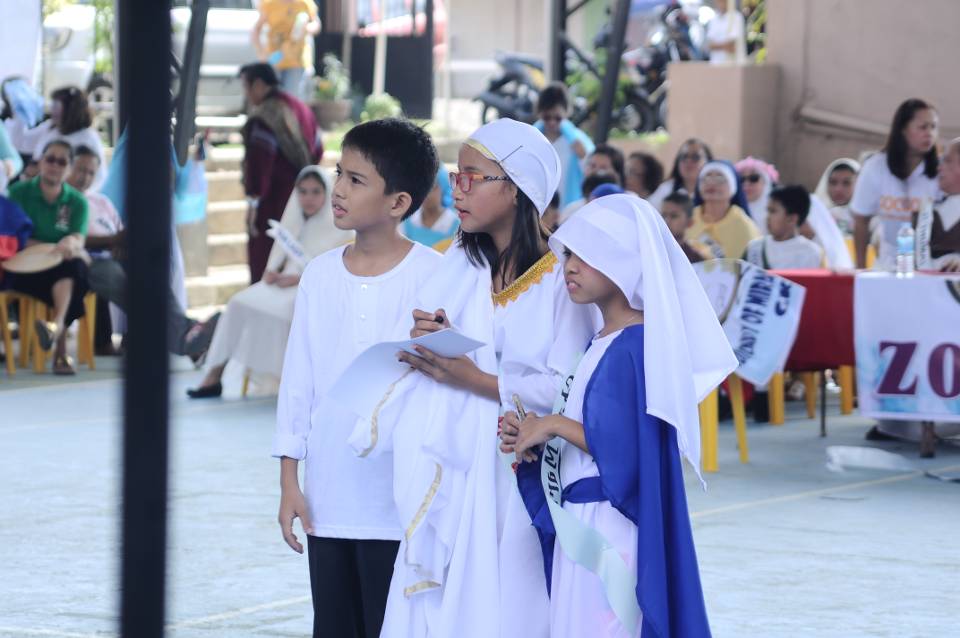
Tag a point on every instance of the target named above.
point(470, 564)
point(691, 157)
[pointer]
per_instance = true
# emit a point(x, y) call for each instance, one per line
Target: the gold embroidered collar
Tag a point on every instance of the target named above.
point(523, 283)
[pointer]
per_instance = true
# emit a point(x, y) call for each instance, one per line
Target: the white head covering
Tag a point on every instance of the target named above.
point(686, 353)
point(316, 234)
point(828, 235)
point(823, 186)
point(721, 167)
point(524, 154)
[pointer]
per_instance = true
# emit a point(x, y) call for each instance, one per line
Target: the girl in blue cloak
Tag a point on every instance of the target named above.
point(602, 478)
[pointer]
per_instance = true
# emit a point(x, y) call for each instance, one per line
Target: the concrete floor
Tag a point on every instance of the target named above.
point(786, 547)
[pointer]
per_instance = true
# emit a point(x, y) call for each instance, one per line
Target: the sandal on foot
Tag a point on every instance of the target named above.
point(46, 333)
point(63, 366)
point(206, 391)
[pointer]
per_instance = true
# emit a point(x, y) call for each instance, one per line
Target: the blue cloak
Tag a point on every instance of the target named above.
point(641, 474)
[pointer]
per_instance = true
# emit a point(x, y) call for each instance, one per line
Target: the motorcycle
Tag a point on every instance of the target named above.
point(641, 105)
point(514, 92)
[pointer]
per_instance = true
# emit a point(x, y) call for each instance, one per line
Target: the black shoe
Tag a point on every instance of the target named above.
point(760, 406)
point(206, 391)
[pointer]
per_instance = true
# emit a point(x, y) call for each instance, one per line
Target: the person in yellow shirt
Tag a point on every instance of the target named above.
point(290, 25)
point(720, 222)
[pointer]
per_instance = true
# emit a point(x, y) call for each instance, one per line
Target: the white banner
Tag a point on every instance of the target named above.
point(907, 337)
point(759, 312)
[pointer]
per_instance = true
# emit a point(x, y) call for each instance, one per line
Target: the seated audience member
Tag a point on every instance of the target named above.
point(784, 247)
point(835, 190)
point(551, 217)
point(107, 277)
point(571, 144)
point(758, 179)
point(938, 227)
point(253, 329)
point(72, 120)
point(677, 212)
point(606, 159)
point(644, 172)
point(720, 222)
point(690, 160)
point(435, 221)
point(60, 215)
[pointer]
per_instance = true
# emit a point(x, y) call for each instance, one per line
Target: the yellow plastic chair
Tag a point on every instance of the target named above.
point(7, 297)
point(871, 252)
point(811, 390)
point(710, 425)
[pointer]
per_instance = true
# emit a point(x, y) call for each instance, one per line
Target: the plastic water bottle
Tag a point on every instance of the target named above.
point(905, 250)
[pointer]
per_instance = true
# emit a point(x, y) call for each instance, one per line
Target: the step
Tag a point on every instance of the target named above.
point(226, 217)
point(224, 158)
point(227, 250)
point(216, 288)
point(224, 186)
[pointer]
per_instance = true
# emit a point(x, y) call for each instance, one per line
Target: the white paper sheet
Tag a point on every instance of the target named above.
point(365, 381)
point(288, 243)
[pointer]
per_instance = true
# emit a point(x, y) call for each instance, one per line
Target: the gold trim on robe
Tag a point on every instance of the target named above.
point(523, 283)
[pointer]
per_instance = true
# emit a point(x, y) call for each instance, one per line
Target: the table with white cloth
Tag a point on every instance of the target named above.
point(907, 339)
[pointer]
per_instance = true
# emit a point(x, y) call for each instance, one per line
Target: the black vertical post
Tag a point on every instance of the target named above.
point(429, 44)
point(145, 67)
point(612, 71)
point(558, 25)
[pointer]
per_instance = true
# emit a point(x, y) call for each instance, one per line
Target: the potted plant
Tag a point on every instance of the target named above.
point(330, 89)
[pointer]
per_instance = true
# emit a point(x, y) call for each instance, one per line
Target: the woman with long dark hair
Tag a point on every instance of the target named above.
point(895, 183)
point(72, 120)
point(502, 286)
point(692, 155)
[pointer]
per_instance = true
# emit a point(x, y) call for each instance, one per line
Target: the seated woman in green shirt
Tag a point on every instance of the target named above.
point(59, 214)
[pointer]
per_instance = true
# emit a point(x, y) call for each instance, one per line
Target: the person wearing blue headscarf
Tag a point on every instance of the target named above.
point(720, 219)
point(435, 222)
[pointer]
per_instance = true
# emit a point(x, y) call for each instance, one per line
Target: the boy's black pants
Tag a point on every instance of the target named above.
point(349, 580)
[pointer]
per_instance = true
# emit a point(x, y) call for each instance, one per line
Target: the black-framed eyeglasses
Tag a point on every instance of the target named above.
point(465, 180)
point(752, 179)
point(59, 161)
point(692, 157)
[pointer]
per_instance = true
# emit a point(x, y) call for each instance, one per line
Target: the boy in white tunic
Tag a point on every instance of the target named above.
point(349, 299)
point(785, 247)
point(607, 497)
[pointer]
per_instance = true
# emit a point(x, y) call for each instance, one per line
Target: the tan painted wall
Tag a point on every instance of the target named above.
point(858, 58)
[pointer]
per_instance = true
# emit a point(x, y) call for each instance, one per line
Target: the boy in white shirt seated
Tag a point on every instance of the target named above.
point(785, 248)
point(350, 298)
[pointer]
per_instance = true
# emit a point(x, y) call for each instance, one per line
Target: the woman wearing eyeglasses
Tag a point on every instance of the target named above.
point(691, 157)
point(59, 214)
point(758, 179)
point(471, 564)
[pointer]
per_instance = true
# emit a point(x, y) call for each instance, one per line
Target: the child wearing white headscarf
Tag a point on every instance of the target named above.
point(470, 564)
point(252, 331)
point(835, 190)
point(607, 496)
